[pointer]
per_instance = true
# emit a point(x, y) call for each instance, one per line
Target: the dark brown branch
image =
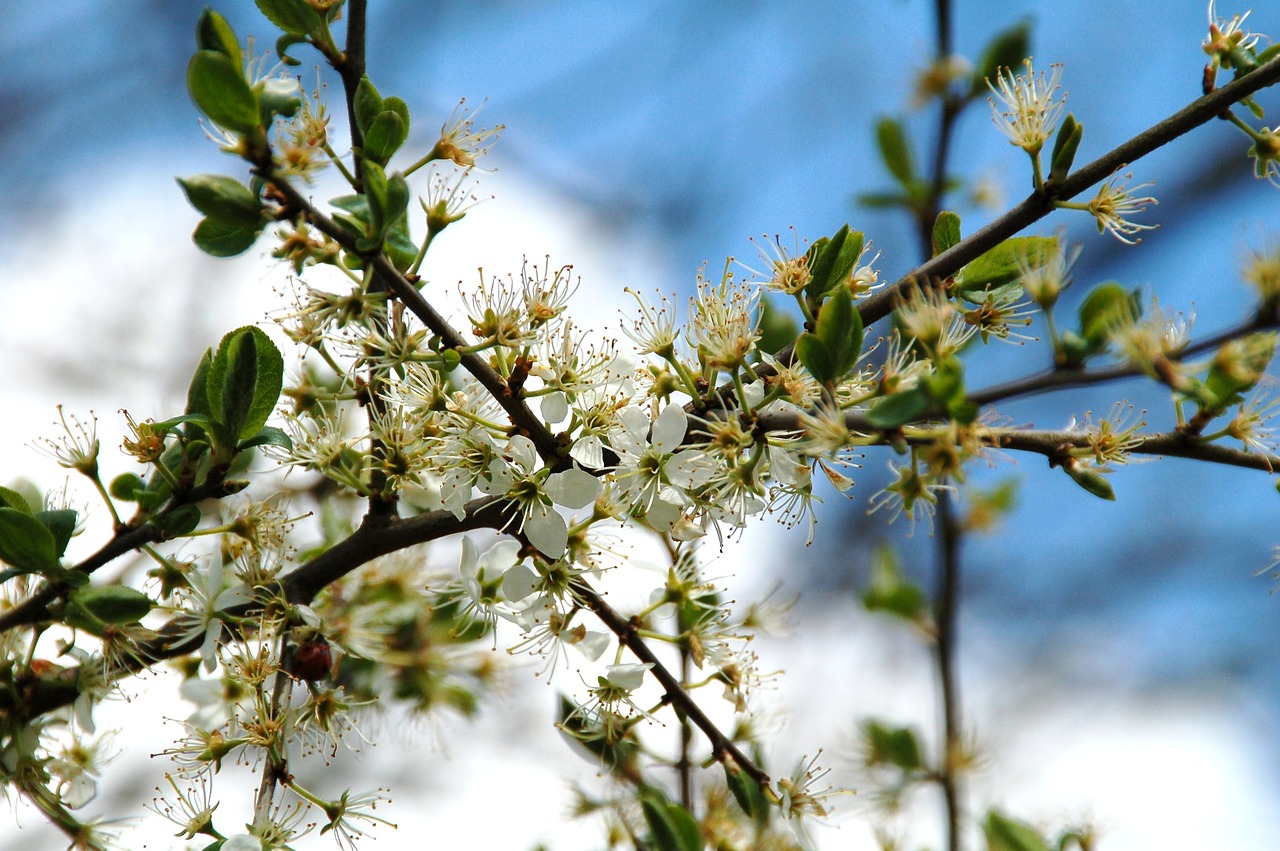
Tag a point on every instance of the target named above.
point(521, 416)
point(722, 747)
point(1039, 204)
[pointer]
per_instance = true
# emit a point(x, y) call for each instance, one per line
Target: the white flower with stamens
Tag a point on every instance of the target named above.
point(1027, 112)
point(652, 469)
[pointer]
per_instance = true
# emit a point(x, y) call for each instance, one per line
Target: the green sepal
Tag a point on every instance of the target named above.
point(896, 746)
point(946, 231)
point(217, 86)
point(1006, 50)
point(267, 436)
point(180, 521)
point(1107, 307)
point(244, 382)
point(61, 523)
point(92, 608)
point(889, 592)
point(1008, 834)
point(367, 104)
point(747, 793)
point(1091, 480)
point(26, 543)
point(671, 825)
point(221, 239)
point(1064, 148)
point(214, 33)
point(895, 150)
point(294, 17)
point(900, 408)
point(222, 199)
point(127, 486)
point(1002, 264)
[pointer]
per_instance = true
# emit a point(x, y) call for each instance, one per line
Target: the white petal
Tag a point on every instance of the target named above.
point(573, 488)
point(554, 408)
point(588, 451)
point(628, 676)
point(519, 582)
point(593, 644)
point(470, 560)
point(668, 431)
point(546, 531)
point(523, 452)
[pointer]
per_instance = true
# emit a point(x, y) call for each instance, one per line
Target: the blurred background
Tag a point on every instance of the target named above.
point(1115, 657)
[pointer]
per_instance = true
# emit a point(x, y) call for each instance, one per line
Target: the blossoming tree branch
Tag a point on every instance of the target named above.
point(290, 603)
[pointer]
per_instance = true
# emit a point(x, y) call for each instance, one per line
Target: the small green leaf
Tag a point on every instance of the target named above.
point(294, 17)
point(1064, 148)
point(1006, 50)
point(197, 397)
point(219, 239)
point(839, 327)
point(946, 231)
point(223, 199)
point(747, 793)
point(385, 136)
point(180, 521)
point(813, 354)
point(367, 104)
point(1107, 307)
point(91, 608)
point(127, 486)
point(217, 86)
point(12, 499)
point(244, 381)
point(883, 200)
point(897, 746)
point(888, 591)
point(268, 436)
point(26, 543)
point(1007, 834)
point(831, 261)
point(899, 409)
point(214, 33)
point(1003, 264)
point(895, 150)
point(61, 523)
point(673, 828)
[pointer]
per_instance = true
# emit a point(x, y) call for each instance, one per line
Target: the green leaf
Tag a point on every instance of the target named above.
point(888, 591)
point(1002, 264)
point(1064, 148)
point(1007, 834)
point(945, 384)
point(946, 231)
point(839, 327)
point(180, 521)
point(673, 828)
point(214, 33)
point(217, 86)
point(385, 136)
point(1090, 479)
point(12, 499)
point(899, 409)
point(244, 381)
point(197, 397)
point(897, 746)
point(367, 104)
point(61, 523)
point(813, 353)
point(220, 239)
point(895, 150)
point(295, 17)
point(1107, 307)
point(1006, 50)
point(831, 261)
point(92, 607)
point(747, 793)
point(883, 200)
point(268, 436)
point(26, 543)
point(223, 199)
point(127, 486)
point(286, 41)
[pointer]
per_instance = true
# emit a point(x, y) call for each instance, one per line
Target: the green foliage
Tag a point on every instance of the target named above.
point(1008, 834)
point(946, 232)
point(26, 543)
point(218, 88)
point(1006, 50)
